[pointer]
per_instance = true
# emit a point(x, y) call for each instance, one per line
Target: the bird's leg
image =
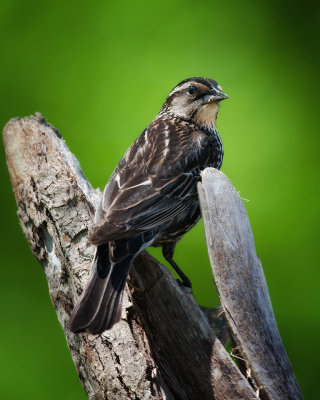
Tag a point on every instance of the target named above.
point(185, 280)
point(167, 251)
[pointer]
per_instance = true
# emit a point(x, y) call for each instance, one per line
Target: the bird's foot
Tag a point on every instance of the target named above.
point(187, 289)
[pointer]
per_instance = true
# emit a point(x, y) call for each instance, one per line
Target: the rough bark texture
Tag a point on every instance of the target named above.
point(163, 348)
point(243, 289)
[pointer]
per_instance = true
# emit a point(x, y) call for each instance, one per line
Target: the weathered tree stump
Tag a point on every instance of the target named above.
point(164, 347)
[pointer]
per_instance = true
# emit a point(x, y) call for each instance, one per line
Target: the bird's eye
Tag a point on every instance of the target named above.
point(192, 89)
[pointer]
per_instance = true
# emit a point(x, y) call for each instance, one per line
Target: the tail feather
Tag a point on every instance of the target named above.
point(109, 312)
point(89, 304)
point(100, 306)
point(87, 308)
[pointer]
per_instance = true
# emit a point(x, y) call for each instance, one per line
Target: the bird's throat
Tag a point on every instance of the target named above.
point(207, 115)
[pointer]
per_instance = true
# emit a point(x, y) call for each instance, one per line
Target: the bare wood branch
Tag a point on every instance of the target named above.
point(242, 288)
point(163, 348)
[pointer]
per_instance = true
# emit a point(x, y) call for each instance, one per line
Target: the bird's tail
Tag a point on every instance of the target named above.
point(100, 306)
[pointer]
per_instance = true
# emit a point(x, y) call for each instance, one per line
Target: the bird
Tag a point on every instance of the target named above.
point(151, 197)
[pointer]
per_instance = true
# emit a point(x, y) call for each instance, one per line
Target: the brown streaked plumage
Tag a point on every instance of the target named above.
point(151, 197)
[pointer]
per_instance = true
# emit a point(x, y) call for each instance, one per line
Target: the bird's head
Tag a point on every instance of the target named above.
point(195, 99)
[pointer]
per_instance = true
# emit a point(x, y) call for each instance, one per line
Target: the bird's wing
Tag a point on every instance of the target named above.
point(155, 180)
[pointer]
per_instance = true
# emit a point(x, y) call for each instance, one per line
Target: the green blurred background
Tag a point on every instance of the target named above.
point(99, 71)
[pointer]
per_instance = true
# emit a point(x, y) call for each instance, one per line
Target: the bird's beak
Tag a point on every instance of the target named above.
point(214, 95)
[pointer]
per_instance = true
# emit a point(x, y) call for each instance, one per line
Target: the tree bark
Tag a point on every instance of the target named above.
point(243, 290)
point(164, 347)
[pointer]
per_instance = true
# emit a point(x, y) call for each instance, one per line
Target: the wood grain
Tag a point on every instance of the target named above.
point(163, 348)
point(243, 290)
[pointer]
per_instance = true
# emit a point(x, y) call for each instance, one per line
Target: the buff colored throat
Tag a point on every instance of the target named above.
point(207, 115)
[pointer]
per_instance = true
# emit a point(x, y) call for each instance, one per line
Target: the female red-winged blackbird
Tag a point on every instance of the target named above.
point(151, 197)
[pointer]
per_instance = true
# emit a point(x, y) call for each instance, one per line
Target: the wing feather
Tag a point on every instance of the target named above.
point(155, 181)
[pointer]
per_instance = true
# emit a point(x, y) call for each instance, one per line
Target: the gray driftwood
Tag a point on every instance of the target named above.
point(242, 289)
point(163, 348)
